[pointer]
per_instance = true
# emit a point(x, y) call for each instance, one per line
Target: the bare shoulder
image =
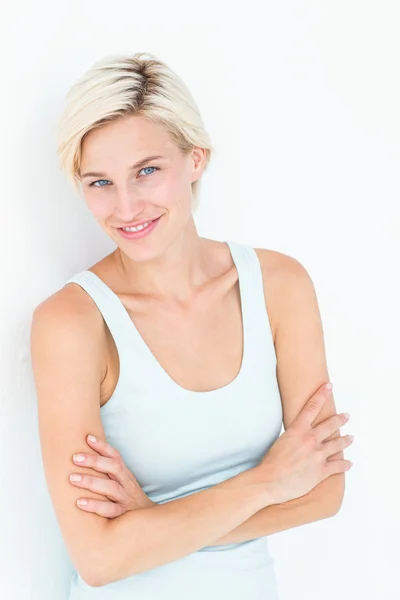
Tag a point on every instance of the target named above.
point(67, 362)
point(71, 308)
point(281, 274)
point(299, 342)
point(67, 305)
point(279, 266)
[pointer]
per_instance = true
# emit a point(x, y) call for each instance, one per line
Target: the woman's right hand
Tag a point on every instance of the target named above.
point(297, 461)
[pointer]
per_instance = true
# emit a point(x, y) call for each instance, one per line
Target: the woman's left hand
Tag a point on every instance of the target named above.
point(122, 490)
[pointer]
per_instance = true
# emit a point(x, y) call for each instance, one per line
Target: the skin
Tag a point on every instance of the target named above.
point(170, 264)
point(172, 268)
point(124, 492)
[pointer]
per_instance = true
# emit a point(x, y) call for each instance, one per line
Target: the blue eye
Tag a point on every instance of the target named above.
point(144, 168)
point(90, 184)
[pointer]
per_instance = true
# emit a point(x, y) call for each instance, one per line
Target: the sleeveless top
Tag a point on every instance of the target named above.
point(178, 442)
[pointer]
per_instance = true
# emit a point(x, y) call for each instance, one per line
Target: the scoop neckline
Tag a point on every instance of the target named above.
point(157, 365)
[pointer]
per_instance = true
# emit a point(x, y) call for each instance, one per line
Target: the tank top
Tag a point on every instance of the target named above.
point(178, 442)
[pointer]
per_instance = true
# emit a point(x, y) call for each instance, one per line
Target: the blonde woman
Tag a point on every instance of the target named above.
point(181, 356)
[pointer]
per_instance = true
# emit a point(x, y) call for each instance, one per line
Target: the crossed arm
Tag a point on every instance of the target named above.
point(301, 369)
point(320, 503)
point(69, 405)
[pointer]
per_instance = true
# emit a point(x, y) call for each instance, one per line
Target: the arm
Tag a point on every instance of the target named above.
point(278, 517)
point(146, 538)
point(66, 339)
point(66, 351)
point(301, 369)
point(302, 366)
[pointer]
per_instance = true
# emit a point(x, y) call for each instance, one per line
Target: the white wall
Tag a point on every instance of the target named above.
point(302, 102)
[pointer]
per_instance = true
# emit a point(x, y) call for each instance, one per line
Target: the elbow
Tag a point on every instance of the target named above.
point(103, 566)
point(336, 505)
point(99, 579)
point(94, 569)
point(93, 578)
point(97, 573)
point(334, 511)
point(92, 575)
point(330, 502)
point(88, 579)
point(94, 583)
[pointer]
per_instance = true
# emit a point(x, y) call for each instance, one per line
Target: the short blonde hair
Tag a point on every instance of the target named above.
point(120, 85)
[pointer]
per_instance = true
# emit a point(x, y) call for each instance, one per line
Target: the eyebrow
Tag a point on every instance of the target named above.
point(134, 166)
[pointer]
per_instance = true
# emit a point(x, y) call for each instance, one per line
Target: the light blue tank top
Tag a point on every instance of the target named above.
point(178, 442)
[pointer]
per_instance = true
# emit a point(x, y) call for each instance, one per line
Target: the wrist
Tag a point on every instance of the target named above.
point(267, 487)
point(263, 490)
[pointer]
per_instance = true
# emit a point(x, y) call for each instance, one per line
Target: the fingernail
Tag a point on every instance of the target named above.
point(79, 457)
point(75, 477)
point(81, 502)
point(328, 386)
point(346, 416)
point(92, 438)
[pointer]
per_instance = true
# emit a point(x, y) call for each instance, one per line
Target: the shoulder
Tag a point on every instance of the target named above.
point(284, 280)
point(70, 316)
point(282, 268)
point(68, 304)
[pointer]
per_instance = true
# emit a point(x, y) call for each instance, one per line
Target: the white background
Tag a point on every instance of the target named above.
point(301, 99)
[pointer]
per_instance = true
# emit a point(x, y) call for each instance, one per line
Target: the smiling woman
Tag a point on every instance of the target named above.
point(119, 86)
point(167, 350)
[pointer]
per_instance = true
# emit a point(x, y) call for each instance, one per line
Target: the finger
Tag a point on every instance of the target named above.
point(337, 455)
point(336, 466)
point(329, 426)
point(102, 447)
point(312, 407)
point(106, 487)
point(112, 466)
point(336, 445)
point(100, 507)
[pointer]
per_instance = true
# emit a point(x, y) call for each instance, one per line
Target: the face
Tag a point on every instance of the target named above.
point(119, 194)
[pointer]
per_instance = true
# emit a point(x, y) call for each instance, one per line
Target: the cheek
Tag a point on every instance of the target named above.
point(99, 209)
point(176, 189)
point(167, 190)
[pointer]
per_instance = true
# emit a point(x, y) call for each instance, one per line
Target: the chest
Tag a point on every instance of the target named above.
point(200, 349)
point(176, 442)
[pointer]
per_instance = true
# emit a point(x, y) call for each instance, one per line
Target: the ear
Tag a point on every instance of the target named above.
point(198, 158)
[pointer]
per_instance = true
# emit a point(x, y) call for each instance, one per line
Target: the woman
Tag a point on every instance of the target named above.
point(168, 351)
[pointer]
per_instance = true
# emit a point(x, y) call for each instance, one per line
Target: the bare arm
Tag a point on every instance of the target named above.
point(302, 365)
point(66, 351)
point(287, 515)
point(301, 369)
point(143, 539)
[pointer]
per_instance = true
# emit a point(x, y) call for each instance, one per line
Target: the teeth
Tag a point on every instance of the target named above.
point(138, 228)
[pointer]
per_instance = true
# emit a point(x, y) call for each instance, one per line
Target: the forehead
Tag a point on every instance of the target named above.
point(134, 134)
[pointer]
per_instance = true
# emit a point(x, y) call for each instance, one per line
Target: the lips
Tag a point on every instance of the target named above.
point(140, 222)
point(141, 233)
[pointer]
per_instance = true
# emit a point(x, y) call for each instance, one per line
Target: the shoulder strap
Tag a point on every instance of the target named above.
point(110, 306)
point(255, 314)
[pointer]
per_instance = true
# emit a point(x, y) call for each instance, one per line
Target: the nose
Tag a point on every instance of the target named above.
point(128, 204)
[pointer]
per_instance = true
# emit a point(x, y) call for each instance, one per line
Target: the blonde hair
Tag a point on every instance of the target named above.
point(120, 85)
